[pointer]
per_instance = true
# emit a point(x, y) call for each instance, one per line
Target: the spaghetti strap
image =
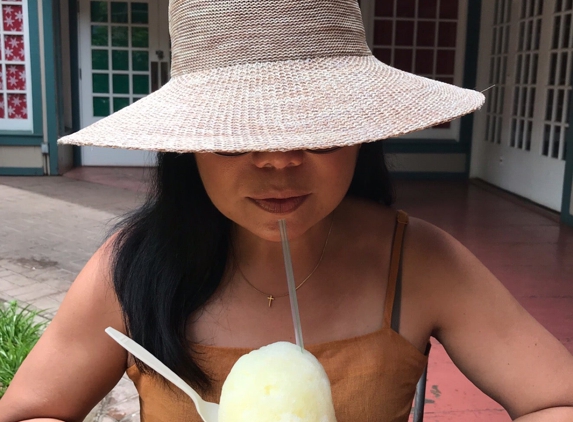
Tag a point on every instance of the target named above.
point(395, 261)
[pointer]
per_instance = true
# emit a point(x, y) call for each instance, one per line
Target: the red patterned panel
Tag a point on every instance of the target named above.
point(12, 18)
point(13, 66)
point(16, 77)
point(14, 48)
point(17, 106)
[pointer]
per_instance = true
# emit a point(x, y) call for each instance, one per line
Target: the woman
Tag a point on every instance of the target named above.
point(275, 126)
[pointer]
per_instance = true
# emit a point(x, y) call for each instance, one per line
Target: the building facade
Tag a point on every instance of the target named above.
point(65, 64)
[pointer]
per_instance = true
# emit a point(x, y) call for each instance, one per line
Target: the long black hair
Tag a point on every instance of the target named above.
point(169, 256)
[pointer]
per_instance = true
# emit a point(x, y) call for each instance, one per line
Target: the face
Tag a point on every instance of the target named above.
point(257, 189)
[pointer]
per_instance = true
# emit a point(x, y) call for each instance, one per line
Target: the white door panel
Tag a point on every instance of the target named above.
point(97, 156)
point(124, 55)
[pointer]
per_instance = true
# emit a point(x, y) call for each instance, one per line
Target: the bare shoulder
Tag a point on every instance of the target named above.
point(75, 363)
point(495, 342)
point(437, 262)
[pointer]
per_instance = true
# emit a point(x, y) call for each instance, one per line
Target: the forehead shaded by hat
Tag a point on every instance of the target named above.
point(211, 34)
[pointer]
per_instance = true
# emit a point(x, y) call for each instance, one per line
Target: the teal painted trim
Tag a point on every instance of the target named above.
point(423, 146)
point(75, 76)
point(52, 85)
point(409, 175)
point(470, 73)
point(74, 37)
point(17, 140)
point(35, 66)
point(21, 171)
point(57, 25)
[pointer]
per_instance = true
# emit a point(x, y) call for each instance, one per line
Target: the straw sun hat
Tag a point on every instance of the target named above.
point(270, 75)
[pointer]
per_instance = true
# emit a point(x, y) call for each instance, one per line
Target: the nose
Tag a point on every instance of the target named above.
point(278, 159)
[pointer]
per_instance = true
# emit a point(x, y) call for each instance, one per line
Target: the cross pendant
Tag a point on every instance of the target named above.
point(270, 298)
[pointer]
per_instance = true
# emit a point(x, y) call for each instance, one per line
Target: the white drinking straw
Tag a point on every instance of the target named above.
point(291, 285)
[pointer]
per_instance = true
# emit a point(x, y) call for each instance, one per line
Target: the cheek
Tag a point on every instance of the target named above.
point(216, 179)
point(342, 173)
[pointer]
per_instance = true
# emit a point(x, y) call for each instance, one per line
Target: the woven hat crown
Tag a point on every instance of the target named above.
point(208, 34)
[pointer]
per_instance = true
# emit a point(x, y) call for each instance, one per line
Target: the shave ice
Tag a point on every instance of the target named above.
point(277, 383)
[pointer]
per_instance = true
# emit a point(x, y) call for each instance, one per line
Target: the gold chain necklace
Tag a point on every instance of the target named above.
point(271, 297)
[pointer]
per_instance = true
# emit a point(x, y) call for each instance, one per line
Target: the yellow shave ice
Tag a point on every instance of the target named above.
point(277, 383)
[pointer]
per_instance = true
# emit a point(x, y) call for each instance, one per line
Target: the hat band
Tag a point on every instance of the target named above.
point(208, 34)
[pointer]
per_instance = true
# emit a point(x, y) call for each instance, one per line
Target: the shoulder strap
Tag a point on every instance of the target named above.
point(395, 270)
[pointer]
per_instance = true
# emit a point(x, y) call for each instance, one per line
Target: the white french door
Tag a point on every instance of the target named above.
point(527, 56)
point(124, 55)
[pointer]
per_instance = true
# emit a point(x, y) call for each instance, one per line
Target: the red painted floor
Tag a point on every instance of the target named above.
point(524, 246)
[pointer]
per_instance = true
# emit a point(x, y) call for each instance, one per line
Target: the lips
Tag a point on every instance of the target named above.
point(280, 205)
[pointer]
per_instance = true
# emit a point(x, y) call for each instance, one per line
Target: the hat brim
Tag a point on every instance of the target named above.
point(283, 105)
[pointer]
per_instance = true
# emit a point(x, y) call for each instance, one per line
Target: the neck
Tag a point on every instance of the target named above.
point(262, 261)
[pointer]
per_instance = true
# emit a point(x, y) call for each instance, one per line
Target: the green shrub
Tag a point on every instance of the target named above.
point(18, 334)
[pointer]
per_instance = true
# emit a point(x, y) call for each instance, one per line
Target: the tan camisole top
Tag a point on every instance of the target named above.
point(373, 377)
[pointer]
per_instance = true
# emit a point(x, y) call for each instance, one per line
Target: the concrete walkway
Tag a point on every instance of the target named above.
point(50, 226)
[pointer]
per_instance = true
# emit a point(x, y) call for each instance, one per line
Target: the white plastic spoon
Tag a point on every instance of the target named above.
point(208, 411)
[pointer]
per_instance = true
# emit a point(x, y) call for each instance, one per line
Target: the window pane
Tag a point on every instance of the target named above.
point(405, 33)
point(100, 60)
point(119, 12)
point(119, 36)
point(383, 31)
point(449, 9)
point(428, 9)
point(119, 103)
point(406, 8)
point(139, 13)
point(426, 34)
point(140, 37)
point(447, 34)
point(99, 35)
point(403, 59)
point(120, 84)
point(141, 84)
point(140, 60)
point(120, 60)
point(98, 11)
point(446, 63)
point(425, 62)
point(100, 83)
point(101, 106)
point(383, 54)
